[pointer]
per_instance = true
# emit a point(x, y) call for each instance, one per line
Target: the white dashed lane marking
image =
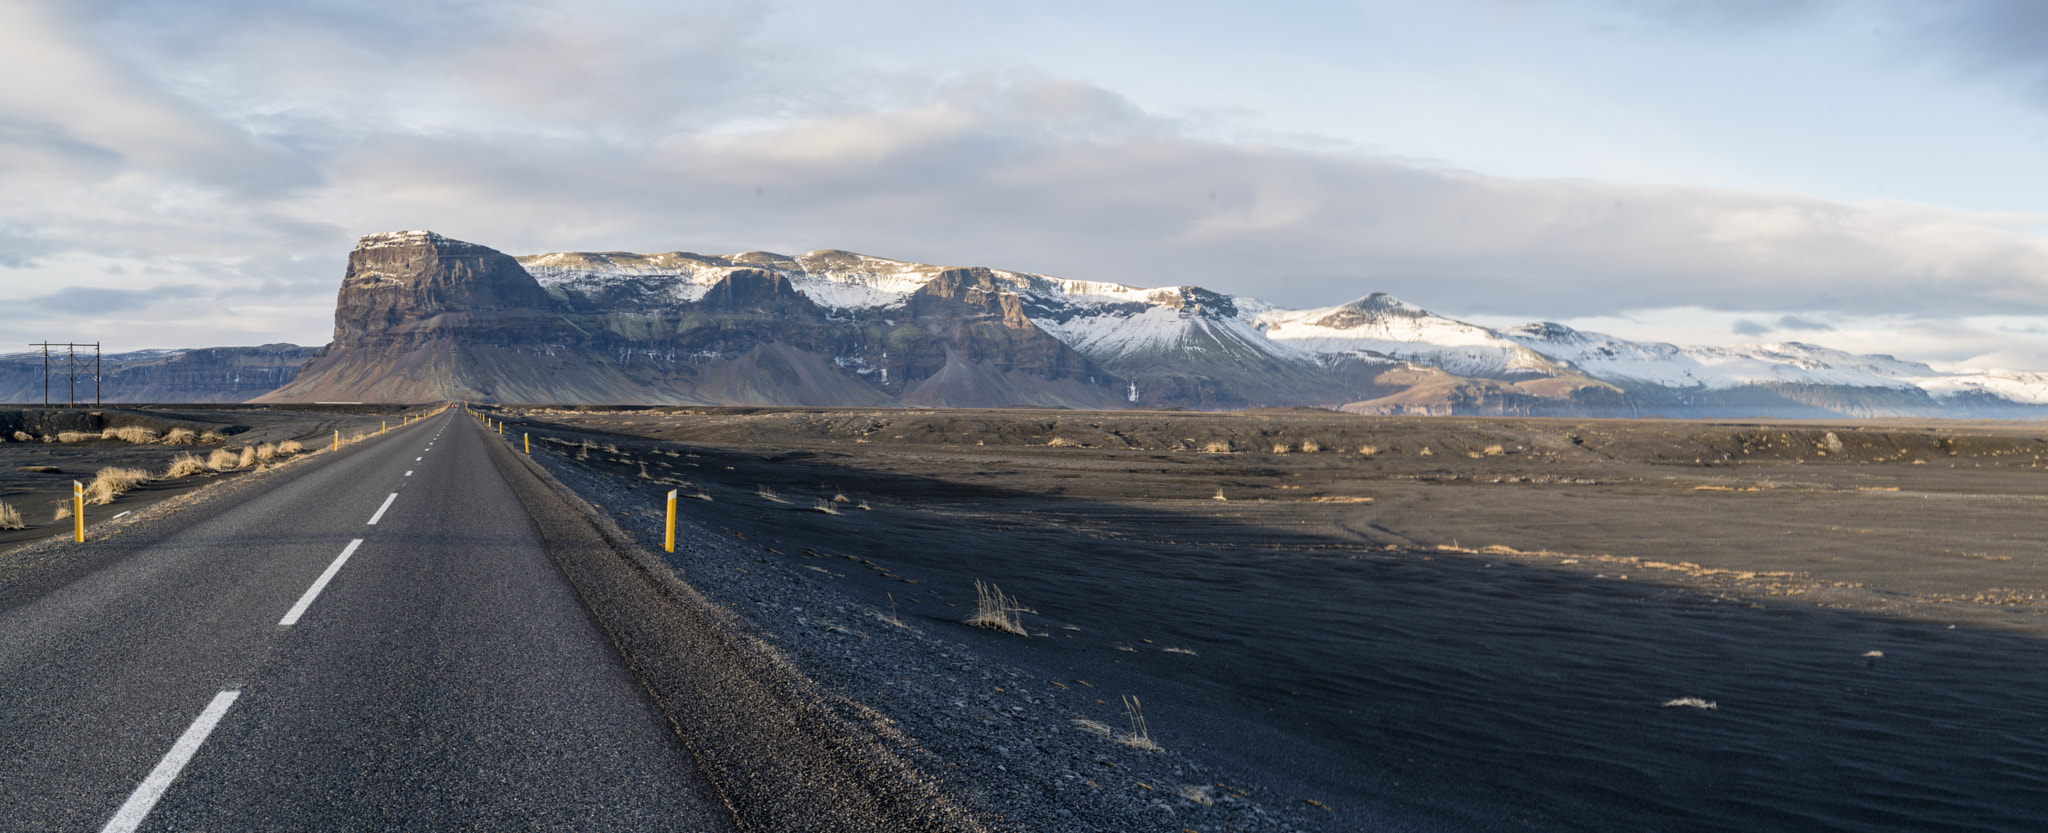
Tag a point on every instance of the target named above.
point(139, 803)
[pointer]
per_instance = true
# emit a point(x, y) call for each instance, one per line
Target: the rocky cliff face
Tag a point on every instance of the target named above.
point(211, 374)
point(424, 318)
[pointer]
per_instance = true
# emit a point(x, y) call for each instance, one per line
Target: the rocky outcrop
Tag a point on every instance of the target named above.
point(421, 317)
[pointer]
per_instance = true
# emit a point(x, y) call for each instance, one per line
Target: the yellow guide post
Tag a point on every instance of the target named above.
point(78, 511)
point(337, 438)
point(528, 438)
point(501, 429)
point(671, 541)
point(384, 425)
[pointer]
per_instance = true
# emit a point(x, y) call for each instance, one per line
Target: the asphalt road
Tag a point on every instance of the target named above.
point(444, 677)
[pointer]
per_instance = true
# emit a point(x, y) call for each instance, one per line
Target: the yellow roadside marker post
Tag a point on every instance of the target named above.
point(78, 511)
point(337, 438)
point(383, 426)
point(528, 438)
point(671, 541)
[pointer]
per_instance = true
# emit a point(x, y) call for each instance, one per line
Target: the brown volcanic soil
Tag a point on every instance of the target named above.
point(1476, 625)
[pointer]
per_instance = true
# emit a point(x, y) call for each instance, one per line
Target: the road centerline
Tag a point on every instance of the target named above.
point(291, 617)
point(139, 803)
point(380, 509)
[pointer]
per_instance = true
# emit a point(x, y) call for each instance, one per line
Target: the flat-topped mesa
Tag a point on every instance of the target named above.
point(399, 281)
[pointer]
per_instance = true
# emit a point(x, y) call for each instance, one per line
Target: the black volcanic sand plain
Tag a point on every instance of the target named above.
point(1442, 623)
point(35, 492)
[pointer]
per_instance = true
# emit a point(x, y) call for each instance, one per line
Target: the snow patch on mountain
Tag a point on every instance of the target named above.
point(1380, 323)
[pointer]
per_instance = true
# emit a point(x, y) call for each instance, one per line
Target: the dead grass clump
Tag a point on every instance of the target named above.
point(185, 465)
point(180, 436)
point(212, 437)
point(1693, 703)
point(1062, 442)
point(76, 437)
point(1138, 737)
point(826, 507)
point(768, 494)
point(841, 498)
point(222, 460)
point(248, 458)
point(1495, 450)
point(266, 452)
point(892, 617)
point(1282, 448)
point(10, 519)
point(996, 611)
point(112, 482)
point(1217, 447)
point(130, 434)
point(1311, 446)
point(24, 437)
point(63, 510)
point(290, 447)
point(1368, 450)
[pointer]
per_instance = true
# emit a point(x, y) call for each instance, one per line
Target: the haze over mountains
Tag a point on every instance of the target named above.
point(421, 317)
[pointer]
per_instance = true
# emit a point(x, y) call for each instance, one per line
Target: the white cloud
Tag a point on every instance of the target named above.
point(239, 147)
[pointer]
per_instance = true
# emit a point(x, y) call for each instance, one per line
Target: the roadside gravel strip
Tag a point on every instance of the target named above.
point(783, 754)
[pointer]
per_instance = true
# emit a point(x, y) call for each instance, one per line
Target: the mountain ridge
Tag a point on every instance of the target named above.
point(420, 317)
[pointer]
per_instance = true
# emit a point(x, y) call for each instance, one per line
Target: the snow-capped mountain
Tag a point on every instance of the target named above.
point(832, 327)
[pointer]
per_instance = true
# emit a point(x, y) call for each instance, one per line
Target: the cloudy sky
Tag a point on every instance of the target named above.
point(1865, 175)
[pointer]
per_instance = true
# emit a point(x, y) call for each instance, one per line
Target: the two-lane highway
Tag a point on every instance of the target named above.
point(377, 640)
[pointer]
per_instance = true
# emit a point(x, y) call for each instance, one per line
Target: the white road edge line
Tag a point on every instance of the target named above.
point(380, 509)
point(139, 803)
point(291, 617)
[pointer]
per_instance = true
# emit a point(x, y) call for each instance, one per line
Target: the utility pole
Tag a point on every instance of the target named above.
point(71, 369)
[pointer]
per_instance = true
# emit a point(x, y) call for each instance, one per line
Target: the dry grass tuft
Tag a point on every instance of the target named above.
point(180, 436)
point(24, 437)
point(185, 465)
point(827, 507)
point(1495, 450)
point(892, 617)
point(1311, 446)
point(266, 452)
point(1062, 442)
point(841, 498)
point(1094, 727)
point(130, 434)
point(1139, 737)
point(768, 494)
point(222, 460)
point(864, 507)
point(1425, 452)
point(10, 519)
point(1219, 494)
point(996, 611)
point(76, 437)
point(1217, 447)
point(290, 447)
point(1282, 448)
point(112, 482)
point(1693, 702)
point(248, 458)
point(63, 510)
point(212, 437)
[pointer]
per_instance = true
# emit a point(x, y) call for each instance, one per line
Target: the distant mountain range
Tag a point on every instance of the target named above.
point(424, 318)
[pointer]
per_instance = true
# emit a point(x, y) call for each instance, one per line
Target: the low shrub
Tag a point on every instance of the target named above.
point(290, 447)
point(9, 518)
point(222, 460)
point(185, 465)
point(130, 434)
point(180, 436)
point(112, 482)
